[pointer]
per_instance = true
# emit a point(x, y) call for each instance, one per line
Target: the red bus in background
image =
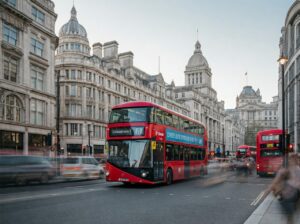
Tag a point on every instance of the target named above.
point(150, 144)
point(246, 151)
point(269, 156)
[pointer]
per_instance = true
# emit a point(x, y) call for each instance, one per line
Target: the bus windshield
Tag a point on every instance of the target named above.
point(130, 153)
point(270, 153)
point(135, 114)
point(242, 151)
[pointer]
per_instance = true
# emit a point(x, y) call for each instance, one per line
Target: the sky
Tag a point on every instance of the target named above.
point(236, 36)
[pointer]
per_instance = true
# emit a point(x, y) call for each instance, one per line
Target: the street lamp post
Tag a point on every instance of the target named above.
point(282, 61)
point(57, 122)
point(89, 138)
point(223, 140)
point(57, 113)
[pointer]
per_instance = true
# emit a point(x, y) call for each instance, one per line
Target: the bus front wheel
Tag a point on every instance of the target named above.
point(169, 177)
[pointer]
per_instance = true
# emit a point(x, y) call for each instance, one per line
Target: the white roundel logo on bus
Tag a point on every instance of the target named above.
point(179, 170)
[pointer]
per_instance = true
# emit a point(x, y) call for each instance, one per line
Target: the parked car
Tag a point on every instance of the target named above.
point(81, 167)
point(23, 169)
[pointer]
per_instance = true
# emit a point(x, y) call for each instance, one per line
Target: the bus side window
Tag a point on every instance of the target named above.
point(201, 130)
point(193, 154)
point(186, 154)
point(169, 152)
point(181, 121)
point(159, 116)
point(168, 119)
point(180, 152)
point(176, 152)
point(176, 121)
point(201, 154)
point(186, 125)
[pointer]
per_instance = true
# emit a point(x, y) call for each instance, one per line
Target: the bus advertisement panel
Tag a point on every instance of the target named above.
point(269, 156)
point(150, 144)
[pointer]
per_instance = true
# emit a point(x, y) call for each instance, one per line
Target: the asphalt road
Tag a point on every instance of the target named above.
point(208, 200)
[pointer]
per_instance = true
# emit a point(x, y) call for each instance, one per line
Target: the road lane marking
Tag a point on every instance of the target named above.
point(259, 197)
point(47, 195)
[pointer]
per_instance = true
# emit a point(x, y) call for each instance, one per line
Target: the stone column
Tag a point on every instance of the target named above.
point(25, 142)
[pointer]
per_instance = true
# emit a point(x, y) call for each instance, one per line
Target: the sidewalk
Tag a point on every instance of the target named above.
point(269, 211)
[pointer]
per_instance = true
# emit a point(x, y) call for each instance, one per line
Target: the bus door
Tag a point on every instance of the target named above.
point(186, 158)
point(158, 161)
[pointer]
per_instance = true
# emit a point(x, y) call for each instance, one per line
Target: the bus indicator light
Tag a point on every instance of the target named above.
point(153, 145)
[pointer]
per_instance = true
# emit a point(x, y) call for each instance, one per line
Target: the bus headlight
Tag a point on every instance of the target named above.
point(107, 173)
point(144, 173)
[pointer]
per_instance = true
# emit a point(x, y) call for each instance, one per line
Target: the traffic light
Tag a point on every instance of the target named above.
point(280, 143)
point(288, 145)
point(49, 139)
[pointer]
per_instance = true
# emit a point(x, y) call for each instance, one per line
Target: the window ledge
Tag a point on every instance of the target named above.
point(38, 60)
point(12, 48)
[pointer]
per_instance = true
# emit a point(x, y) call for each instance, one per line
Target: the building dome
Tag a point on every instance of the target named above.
point(73, 27)
point(197, 59)
point(248, 91)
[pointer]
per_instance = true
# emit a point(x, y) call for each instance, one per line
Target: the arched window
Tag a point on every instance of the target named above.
point(13, 109)
point(298, 36)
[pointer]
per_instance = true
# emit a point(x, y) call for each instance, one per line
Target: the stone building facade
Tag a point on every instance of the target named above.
point(235, 131)
point(290, 46)
point(27, 92)
point(255, 114)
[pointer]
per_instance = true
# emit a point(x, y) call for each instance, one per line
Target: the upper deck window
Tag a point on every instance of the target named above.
point(136, 114)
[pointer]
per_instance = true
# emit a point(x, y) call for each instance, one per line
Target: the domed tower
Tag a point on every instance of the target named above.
point(197, 71)
point(73, 37)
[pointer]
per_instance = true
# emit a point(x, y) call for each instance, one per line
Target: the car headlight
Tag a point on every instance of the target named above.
point(107, 173)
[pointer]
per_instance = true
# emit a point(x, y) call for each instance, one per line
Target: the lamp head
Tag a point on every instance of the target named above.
point(282, 60)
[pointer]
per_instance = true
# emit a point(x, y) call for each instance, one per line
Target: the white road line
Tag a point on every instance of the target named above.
point(259, 197)
point(46, 195)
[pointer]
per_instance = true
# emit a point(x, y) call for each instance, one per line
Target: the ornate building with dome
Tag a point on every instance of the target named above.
point(255, 114)
point(27, 91)
point(90, 84)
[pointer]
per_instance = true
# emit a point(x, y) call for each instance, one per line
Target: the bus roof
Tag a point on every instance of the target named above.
point(149, 104)
point(245, 146)
point(269, 132)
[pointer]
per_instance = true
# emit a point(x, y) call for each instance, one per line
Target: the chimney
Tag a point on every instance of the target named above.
point(126, 59)
point(111, 49)
point(97, 49)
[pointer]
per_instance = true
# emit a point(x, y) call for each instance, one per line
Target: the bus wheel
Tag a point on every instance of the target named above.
point(126, 183)
point(169, 177)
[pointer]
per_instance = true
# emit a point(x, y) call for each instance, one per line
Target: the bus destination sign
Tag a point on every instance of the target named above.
point(127, 131)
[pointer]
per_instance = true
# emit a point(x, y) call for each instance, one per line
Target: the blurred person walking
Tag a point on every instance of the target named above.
point(286, 187)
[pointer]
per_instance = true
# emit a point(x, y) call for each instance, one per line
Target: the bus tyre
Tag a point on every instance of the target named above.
point(169, 177)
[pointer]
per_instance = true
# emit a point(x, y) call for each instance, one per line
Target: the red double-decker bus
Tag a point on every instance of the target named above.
point(150, 144)
point(246, 151)
point(269, 156)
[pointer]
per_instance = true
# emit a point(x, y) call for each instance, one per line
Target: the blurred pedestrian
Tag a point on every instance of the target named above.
point(286, 187)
